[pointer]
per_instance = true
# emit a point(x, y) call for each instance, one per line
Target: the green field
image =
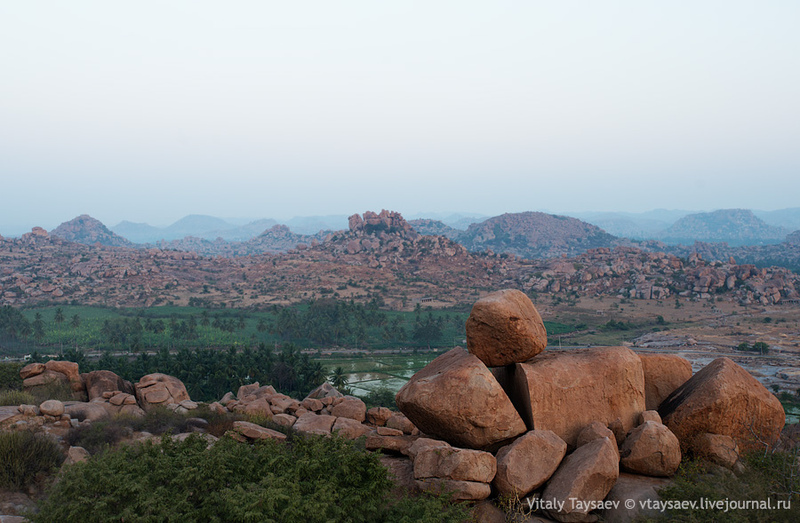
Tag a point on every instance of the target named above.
point(371, 372)
point(331, 325)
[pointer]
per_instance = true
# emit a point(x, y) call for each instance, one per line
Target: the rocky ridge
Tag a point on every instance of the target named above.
point(389, 258)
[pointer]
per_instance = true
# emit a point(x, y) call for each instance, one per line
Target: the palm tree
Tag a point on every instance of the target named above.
point(338, 378)
point(38, 327)
point(59, 318)
point(76, 321)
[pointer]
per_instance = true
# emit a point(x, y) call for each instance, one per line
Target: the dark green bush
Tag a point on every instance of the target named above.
point(16, 397)
point(380, 397)
point(55, 390)
point(9, 376)
point(24, 455)
point(306, 479)
point(99, 435)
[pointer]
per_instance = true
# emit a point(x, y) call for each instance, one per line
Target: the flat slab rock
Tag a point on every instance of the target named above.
point(253, 431)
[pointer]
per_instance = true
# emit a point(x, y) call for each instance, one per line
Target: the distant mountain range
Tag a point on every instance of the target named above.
point(718, 226)
point(719, 234)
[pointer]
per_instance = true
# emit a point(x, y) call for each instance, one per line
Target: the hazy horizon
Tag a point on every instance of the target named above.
point(149, 112)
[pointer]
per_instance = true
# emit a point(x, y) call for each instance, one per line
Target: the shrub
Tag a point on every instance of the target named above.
point(24, 455)
point(305, 479)
point(380, 397)
point(98, 436)
point(55, 390)
point(16, 397)
point(767, 477)
point(9, 376)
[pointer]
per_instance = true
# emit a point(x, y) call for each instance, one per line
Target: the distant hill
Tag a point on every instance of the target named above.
point(456, 220)
point(434, 228)
point(88, 231)
point(734, 226)
point(535, 235)
point(241, 233)
point(639, 225)
point(137, 232)
point(196, 226)
point(789, 218)
point(277, 239)
point(315, 224)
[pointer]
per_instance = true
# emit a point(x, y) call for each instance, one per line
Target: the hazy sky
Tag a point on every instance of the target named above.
point(148, 111)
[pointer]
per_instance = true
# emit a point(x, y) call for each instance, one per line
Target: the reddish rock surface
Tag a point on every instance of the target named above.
point(651, 449)
point(586, 475)
point(663, 373)
point(456, 398)
point(99, 381)
point(504, 327)
point(725, 399)
point(158, 389)
point(454, 463)
point(566, 391)
point(528, 463)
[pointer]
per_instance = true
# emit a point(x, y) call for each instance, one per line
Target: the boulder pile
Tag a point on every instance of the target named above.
point(508, 417)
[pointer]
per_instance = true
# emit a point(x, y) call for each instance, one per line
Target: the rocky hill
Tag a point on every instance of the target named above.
point(137, 232)
point(735, 226)
point(535, 235)
point(435, 228)
point(276, 239)
point(88, 231)
point(380, 257)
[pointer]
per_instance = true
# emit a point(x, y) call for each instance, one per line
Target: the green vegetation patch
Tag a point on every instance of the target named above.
point(306, 479)
point(768, 478)
point(24, 455)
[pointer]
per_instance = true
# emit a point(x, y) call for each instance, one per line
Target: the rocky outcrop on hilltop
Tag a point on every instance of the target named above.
point(535, 235)
point(89, 231)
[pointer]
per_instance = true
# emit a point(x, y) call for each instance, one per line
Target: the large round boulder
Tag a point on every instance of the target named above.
point(504, 327)
point(100, 381)
point(723, 398)
point(456, 398)
point(528, 462)
point(160, 389)
point(651, 449)
point(583, 480)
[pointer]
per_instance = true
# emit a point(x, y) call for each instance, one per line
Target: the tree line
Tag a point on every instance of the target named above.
point(208, 374)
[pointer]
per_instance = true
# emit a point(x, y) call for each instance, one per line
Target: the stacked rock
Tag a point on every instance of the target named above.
point(563, 423)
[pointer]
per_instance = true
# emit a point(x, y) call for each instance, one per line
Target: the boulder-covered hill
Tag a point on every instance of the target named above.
point(535, 235)
point(89, 231)
point(734, 226)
